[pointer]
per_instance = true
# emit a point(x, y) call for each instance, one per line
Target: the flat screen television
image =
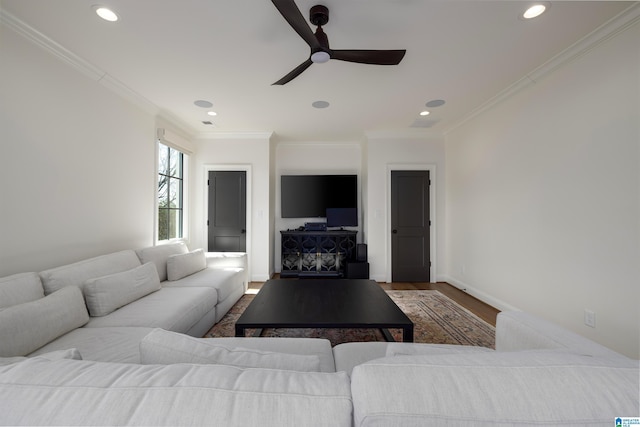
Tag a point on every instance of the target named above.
point(342, 217)
point(309, 196)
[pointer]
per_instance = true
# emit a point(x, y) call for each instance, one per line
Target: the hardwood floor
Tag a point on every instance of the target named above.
point(474, 305)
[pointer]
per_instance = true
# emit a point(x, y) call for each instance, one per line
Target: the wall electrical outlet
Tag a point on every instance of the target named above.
point(589, 318)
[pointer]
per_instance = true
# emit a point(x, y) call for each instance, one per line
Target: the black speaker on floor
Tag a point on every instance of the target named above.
point(361, 252)
point(357, 270)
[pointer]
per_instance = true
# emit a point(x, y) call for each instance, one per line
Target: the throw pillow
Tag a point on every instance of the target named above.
point(159, 254)
point(183, 265)
point(24, 328)
point(71, 353)
point(108, 293)
point(164, 348)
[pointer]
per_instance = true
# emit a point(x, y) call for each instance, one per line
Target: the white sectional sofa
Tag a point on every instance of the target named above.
point(539, 373)
point(104, 306)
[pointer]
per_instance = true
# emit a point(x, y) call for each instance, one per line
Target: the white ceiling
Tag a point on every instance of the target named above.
point(229, 52)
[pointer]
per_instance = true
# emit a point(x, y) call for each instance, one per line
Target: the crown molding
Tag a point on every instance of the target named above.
point(403, 134)
point(78, 63)
point(234, 135)
point(51, 46)
point(129, 94)
point(606, 31)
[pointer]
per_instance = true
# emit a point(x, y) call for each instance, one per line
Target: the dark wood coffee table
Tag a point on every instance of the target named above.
point(324, 303)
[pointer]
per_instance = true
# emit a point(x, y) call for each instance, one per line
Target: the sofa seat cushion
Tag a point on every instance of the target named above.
point(69, 353)
point(493, 388)
point(116, 344)
point(165, 348)
point(79, 272)
point(173, 309)
point(80, 392)
point(20, 288)
point(26, 327)
point(159, 255)
point(108, 293)
point(225, 281)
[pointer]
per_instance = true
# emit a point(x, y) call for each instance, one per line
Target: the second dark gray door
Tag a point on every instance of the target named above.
point(410, 223)
point(227, 218)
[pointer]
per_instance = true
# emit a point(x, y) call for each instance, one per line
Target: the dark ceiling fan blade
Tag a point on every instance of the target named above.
point(376, 57)
point(292, 15)
point(295, 73)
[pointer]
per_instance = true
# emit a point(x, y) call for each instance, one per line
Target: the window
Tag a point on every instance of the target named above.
point(170, 193)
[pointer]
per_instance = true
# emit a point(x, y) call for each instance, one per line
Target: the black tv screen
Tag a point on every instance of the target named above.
point(342, 217)
point(309, 196)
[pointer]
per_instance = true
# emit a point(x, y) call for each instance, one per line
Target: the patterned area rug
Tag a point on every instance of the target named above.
point(436, 318)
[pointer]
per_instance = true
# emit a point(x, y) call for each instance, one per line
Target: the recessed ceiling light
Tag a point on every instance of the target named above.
point(535, 10)
point(212, 113)
point(424, 113)
point(203, 103)
point(435, 103)
point(106, 13)
point(320, 104)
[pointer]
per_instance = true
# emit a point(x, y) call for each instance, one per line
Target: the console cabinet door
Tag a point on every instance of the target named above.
point(316, 253)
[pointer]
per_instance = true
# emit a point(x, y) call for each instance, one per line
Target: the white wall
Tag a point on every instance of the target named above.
point(543, 195)
point(250, 153)
point(312, 158)
point(386, 153)
point(78, 163)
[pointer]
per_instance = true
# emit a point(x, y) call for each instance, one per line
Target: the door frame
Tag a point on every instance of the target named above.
point(431, 167)
point(229, 167)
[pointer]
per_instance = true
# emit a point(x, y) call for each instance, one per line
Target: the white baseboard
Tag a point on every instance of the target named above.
point(482, 296)
point(260, 278)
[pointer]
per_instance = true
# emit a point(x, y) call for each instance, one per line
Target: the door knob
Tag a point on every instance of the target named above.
point(395, 231)
point(243, 231)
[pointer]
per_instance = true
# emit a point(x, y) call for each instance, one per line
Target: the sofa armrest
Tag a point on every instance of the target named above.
point(516, 330)
point(226, 259)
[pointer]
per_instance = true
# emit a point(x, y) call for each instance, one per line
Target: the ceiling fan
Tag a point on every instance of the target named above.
point(319, 43)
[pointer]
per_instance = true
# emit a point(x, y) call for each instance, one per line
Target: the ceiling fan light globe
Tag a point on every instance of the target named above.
point(320, 57)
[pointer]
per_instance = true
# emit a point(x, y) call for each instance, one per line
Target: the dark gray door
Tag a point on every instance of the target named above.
point(227, 218)
point(410, 258)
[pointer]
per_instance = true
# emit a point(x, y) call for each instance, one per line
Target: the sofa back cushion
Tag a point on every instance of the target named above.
point(546, 387)
point(20, 288)
point(159, 254)
point(80, 392)
point(183, 265)
point(26, 327)
point(79, 272)
point(108, 293)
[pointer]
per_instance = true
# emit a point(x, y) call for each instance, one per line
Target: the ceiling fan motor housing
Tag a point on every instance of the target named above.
point(319, 15)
